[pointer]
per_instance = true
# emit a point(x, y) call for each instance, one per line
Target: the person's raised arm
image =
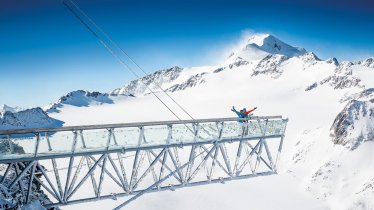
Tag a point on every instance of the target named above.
point(234, 110)
point(247, 112)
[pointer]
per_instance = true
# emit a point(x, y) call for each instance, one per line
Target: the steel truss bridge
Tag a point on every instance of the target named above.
point(87, 163)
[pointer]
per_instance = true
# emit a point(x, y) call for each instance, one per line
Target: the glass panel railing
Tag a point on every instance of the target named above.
point(275, 127)
point(55, 143)
point(255, 128)
point(61, 142)
point(183, 133)
point(231, 130)
point(127, 137)
point(93, 140)
point(17, 146)
point(155, 135)
point(208, 131)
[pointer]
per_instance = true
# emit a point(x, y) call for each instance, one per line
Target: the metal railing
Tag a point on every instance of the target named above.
point(139, 157)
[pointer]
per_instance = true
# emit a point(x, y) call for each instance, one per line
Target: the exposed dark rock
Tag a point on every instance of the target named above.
point(191, 82)
point(270, 65)
point(219, 70)
point(140, 86)
point(312, 86)
point(341, 82)
point(238, 62)
point(354, 124)
point(333, 61)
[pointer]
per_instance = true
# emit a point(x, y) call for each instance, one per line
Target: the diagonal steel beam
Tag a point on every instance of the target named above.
point(201, 164)
point(46, 177)
point(124, 185)
point(166, 166)
point(140, 193)
point(31, 180)
point(8, 169)
point(149, 168)
point(107, 171)
point(85, 177)
point(22, 174)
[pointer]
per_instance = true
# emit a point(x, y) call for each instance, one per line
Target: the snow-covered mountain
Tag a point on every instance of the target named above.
point(328, 148)
point(29, 118)
point(79, 98)
point(262, 54)
point(140, 86)
point(369, 62)
point(260, 45)
point(355, 123)
point(5, 108)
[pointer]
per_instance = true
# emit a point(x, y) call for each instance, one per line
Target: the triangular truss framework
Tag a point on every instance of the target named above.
point(103, 174)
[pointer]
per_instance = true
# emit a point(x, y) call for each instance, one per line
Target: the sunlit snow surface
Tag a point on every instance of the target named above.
point(314, 173)
point(311, 114)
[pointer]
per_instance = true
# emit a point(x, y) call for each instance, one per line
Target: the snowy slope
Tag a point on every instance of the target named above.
point(327, 160)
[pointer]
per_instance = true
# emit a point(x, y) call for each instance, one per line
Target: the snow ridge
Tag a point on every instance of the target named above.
point(191, 82)
point(79, 98)
point(273, 45)
point(5, 108)
point(29, 118)
point(140, 86)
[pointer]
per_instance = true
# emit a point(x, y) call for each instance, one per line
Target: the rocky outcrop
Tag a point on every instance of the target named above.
point(140, 86)
point(239, 62)
point(341, 82)
point(191, 82)
point(333, 61)
point(309, 59)
point(270, 65)
point(355, 123)
point(369, 62)
point(343, 77)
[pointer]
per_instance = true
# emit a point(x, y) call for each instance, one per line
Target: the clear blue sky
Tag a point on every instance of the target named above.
point(45, 52)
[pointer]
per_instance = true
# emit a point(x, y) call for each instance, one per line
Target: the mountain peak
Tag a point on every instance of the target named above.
point(259, 39)
point(258, 46)
point(273, 45)
point(29, 118)
point(79, 98)
point(369, 62)
point(5, 108)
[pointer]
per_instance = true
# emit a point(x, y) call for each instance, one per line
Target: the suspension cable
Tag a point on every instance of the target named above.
point(126, 66)
point(115, 56)
point(126, 54)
